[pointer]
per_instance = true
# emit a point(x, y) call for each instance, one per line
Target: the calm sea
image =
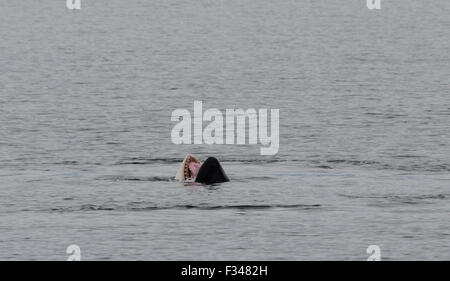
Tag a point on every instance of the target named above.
point(86, 156)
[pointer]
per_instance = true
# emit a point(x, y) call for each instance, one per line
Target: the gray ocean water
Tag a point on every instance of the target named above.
point(86, 156)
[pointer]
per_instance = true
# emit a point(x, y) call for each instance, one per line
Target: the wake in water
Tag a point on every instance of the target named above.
point(172, 179)
point(136, 178)
point(149, 206)
point(395, 199)
point(407, 163)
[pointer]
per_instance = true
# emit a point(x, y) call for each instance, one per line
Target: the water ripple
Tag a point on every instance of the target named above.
point(139, 206)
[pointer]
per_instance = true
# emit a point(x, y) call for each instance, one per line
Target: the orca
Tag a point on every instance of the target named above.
point(211, 172)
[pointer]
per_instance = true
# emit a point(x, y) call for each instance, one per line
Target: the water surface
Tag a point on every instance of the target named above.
point(86, 156)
